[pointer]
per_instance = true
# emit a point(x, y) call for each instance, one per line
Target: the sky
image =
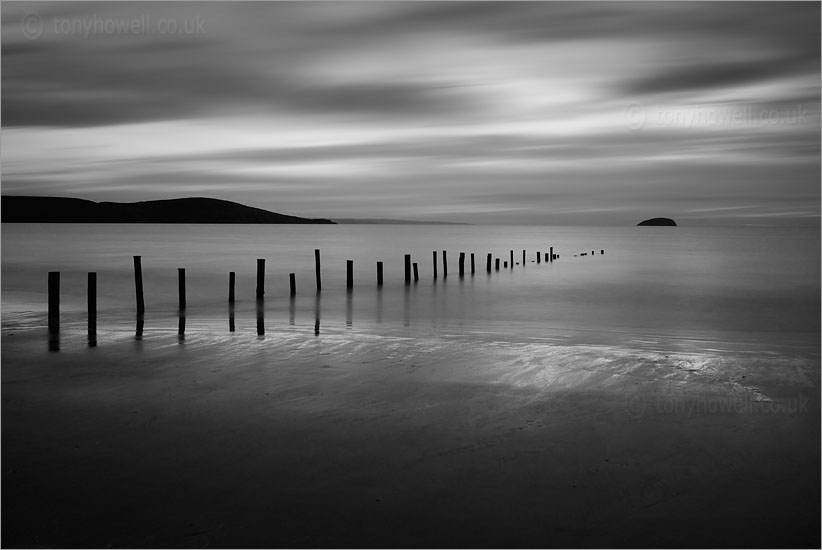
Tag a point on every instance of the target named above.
point(546, 113)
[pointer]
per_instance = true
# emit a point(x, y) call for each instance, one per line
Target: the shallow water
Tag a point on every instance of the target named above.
point(690, 289)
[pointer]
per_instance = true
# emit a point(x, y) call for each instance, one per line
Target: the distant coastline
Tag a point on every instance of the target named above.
point(26, 209)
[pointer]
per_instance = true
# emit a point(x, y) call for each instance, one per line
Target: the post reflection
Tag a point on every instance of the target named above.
point(317, 315)
point(260, 318)
point(349, 313)
point(54, 340)
point(379, 305)
point(139, 329)
point(292, 311)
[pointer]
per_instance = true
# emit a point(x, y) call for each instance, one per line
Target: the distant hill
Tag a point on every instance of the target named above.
point(394, 222)
point(18, 209)
point(658, 221)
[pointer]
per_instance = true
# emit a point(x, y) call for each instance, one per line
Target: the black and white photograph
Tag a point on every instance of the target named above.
point(410, 274)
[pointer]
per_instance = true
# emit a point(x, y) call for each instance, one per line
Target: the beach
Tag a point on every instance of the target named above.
point(353, 438)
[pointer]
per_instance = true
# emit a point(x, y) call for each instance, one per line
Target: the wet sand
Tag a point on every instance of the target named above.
point(351, 439)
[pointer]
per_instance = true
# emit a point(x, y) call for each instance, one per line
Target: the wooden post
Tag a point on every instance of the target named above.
point(552, 253)
point(181, 326)
point(496, 264)
point(138, 285)
point(538, 256)
point(292, 283)
point(92, 309)
point(317, 268)
point(416, 273)
point(54, 301)
point(505, 264)
point(349, 274)
point(461, 264)
point(231, 279)
point(435, 264)
point(472, 263)
point(260, 278)
point(408, 269)
point(444, 265)
point(260, 320)
point(593, 253)
point(602, 252)
point(231, 318)
point(512, 260)
point(488, 263)
point(379, 273)
point(523, 257)
point(181, 287)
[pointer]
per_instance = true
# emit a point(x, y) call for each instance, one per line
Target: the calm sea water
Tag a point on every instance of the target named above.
point(690, 288)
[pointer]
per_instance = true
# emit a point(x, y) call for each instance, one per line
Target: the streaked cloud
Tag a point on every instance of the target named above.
point(492, 112)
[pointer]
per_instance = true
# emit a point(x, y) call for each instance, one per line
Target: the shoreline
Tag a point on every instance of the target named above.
point(351, 439)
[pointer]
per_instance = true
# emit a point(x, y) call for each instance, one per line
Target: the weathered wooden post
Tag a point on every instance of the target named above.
point(181, 287)
point(292, 283)
point(472, 263)
point(54, 302)
point(496, 264)
point(444, 265)
point(349, 274)
point(538, 256)
point(416, 273)
point(379, 273)
point(181, 326)
point(408, 269)
point(523, 257)
point(461, 264)
point(435, 264)
point(512, 259)
point(260, 320)
point(138, 285)
point(552, 253)
point(505, 264)
point(92, 309)
point(260, 278)
point(317, 268)
point(602, 252)
point(231, 279)
point(231, 318)
point(488, 263)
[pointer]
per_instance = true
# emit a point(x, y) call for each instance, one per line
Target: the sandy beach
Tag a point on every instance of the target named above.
point(357, 439)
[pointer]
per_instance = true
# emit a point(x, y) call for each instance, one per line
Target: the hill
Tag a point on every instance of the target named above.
point(21, 209)
point(658, 221)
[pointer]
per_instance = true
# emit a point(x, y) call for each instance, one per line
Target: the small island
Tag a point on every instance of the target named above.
point(658, 221)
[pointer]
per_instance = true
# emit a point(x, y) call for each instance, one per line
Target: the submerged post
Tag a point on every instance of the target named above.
point(496, 264)
point(472, 263)
point(260, 278)
point(379, 273)
point(444, 265)
point(317, 268)
point(512, 259)
point(602, 252)
point(231, 279)
point(488, 263)
point(523, 257)
point(505, 264)
point(538, 256)
point(138, 285)
point(181, 287)
point(552, 253)
point(292, 283)
point(416, 273)
point(435, 264)
point(92, 309)
point(462, 264)
point(54, 301)
point(349, 274)
point(408, 269)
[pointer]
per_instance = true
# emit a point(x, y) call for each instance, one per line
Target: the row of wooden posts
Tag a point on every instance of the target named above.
point(410, 267)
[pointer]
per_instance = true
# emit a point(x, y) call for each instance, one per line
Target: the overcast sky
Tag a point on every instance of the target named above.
point(537, 113)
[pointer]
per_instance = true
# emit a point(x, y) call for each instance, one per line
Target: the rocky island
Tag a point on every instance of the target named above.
point(658, 221)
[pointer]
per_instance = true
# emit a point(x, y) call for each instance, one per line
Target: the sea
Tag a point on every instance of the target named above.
point(685, 289)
